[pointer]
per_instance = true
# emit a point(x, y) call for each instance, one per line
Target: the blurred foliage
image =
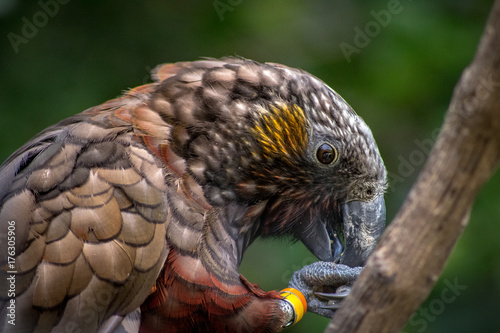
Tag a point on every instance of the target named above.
point(400, 82)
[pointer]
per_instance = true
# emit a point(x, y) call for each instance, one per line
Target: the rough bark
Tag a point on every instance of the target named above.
point(412, 253)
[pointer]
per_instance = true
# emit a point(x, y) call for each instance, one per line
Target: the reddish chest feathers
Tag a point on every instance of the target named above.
point(189, 298)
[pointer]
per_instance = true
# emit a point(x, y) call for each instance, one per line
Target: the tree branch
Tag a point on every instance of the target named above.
point(412, 253)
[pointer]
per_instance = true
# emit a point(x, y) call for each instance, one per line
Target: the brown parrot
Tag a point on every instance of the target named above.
point(134, 215)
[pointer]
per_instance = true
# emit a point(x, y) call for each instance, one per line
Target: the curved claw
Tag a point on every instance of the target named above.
point(333, 296)
point(334, 306)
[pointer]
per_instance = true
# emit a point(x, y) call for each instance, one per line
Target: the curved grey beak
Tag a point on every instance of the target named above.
point(364, 223)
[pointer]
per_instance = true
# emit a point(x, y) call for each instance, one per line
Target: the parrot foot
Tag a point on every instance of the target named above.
point(324, 285)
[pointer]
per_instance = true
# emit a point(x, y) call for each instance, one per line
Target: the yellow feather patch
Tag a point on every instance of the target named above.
point(281, 131)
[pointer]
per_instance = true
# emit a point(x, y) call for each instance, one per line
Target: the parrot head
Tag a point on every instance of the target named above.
point(285, 149)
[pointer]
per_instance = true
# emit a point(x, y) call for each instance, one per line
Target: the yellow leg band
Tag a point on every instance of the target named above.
point(297, 300)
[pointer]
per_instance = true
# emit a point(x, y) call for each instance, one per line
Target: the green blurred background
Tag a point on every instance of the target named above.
point(399, 79)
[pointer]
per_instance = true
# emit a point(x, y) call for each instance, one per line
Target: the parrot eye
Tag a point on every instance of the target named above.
point(326, 154)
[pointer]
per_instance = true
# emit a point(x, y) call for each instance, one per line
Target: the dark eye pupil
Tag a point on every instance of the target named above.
point(326, 154)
